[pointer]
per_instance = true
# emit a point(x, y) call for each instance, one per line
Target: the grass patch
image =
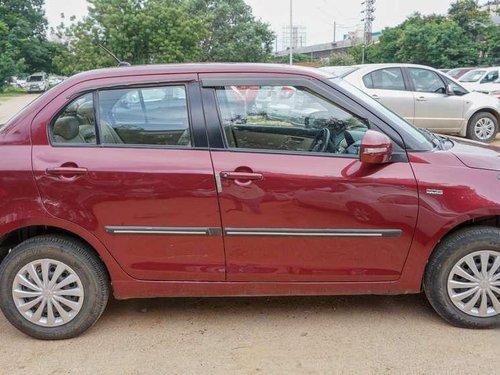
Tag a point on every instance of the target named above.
point(8, 92)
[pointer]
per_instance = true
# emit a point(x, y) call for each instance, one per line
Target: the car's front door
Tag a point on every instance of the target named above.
point(296, 204)
point(434, 108)
point(142, 183)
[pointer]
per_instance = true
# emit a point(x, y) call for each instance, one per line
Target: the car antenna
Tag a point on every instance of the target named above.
point(120, 63)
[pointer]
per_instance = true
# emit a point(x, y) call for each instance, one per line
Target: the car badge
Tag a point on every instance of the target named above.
point(434, 191)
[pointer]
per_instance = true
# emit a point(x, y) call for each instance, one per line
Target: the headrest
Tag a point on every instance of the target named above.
point(86, 110)
point(66, 127)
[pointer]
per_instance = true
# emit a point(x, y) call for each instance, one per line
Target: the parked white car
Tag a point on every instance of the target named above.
point(37, 82)
point(477, 78)
point(492, 88)
point(427, 98)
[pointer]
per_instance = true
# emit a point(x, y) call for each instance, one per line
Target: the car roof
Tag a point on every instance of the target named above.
point(199, 68)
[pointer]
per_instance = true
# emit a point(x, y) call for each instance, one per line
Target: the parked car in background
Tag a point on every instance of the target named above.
point(458, 72)
point(428, 99)
point(37, 82)
point(55, 80)
point(17, 81)
point(474, 79)
point(170, 180)
point(492, 88)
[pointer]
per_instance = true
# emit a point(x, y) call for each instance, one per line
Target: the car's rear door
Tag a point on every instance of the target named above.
point(390, 87)
point(142, 181)
point(290, 212)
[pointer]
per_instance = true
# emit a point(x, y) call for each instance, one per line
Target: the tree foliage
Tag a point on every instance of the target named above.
point(165, 31)
point(341, 59)
point(465, 37)
point(23, 45)
point(233, 32)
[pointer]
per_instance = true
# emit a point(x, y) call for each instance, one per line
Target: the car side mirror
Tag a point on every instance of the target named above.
point(449, 90)
point(376, 148)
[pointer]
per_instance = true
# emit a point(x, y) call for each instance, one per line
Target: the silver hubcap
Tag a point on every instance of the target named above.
point(48, 293)
point(474, 284)
point(484, 128)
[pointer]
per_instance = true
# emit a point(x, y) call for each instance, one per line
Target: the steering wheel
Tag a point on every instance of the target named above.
point(321, 141)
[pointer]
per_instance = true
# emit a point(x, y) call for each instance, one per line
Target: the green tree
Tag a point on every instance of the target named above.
point(340, 59)
point(234, 33)
point(138, 31)
point(23, 45)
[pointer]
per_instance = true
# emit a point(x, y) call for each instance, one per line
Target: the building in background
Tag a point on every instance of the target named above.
point(296, 39)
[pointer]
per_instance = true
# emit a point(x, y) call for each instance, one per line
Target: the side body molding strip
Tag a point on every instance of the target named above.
point(264, 232)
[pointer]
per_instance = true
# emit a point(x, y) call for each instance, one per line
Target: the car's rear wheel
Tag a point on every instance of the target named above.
point(53, 287)
point(462, 279)
point(483, 127)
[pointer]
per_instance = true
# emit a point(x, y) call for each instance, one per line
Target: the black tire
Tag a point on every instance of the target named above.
point(448, 253)
point(83, 262)
point(473, 121)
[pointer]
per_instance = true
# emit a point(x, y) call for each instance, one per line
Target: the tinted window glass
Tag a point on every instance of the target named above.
point(287, 118)
point(427, 81)
point(385, 79)
point(76, 123)
point(472, 76)
point(146, 116)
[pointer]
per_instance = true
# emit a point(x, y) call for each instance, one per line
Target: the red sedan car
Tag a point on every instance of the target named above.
point(231, 180)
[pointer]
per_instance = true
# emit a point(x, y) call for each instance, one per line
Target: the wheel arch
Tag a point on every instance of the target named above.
point(492, 111)
point(21, 232)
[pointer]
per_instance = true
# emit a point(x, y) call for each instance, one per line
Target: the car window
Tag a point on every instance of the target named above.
point(156, 116)
point(287, 118)
point(427, 81)
point(75, 124)
point(491, 76)
point(385, 79)
point(456, 88)
point(472, 76)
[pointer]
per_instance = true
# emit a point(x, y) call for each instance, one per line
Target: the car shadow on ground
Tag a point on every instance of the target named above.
point(347, 308)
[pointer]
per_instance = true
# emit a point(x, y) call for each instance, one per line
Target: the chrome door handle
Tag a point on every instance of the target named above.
point(244, 176)
point(376, 97)
point(66, 171)
point(421, 99)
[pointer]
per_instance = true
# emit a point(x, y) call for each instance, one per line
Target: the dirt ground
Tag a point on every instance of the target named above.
point(290, 335)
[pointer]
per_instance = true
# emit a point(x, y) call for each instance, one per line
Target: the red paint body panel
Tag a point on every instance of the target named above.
point(161, 187)
point(314, 192)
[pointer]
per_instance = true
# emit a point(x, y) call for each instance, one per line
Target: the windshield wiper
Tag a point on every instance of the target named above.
point(432, 137)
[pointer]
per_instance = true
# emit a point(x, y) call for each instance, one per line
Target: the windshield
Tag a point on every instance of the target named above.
point(424, 139)
point(34, 78)
point(472, 76)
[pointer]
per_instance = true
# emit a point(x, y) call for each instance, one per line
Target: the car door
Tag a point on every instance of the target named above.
point(131, 166)
point(293, 213)
point(388, 86)
point(434, 108)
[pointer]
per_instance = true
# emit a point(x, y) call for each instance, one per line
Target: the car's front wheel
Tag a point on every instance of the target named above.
point(483, 127)
point(53, 287)
point(462, 279)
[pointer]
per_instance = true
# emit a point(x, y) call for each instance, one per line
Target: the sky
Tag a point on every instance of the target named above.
point(317, 16)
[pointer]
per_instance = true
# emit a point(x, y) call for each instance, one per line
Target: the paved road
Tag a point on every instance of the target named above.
point(292, 335)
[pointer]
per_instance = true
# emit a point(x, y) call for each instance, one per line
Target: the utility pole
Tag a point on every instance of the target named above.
point(334, 31)
point(291, 32)
point(368, 20)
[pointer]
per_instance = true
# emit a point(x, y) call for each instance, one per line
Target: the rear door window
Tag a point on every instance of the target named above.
point(385, 79)
point(156, 116)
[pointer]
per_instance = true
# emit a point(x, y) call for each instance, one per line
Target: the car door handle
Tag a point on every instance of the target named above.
point(244, 176)
point(421, 99)
point(376, 97)
point(66, 171)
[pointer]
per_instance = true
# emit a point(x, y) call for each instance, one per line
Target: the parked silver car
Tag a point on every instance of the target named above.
point(427, 98)
point(37, 82)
